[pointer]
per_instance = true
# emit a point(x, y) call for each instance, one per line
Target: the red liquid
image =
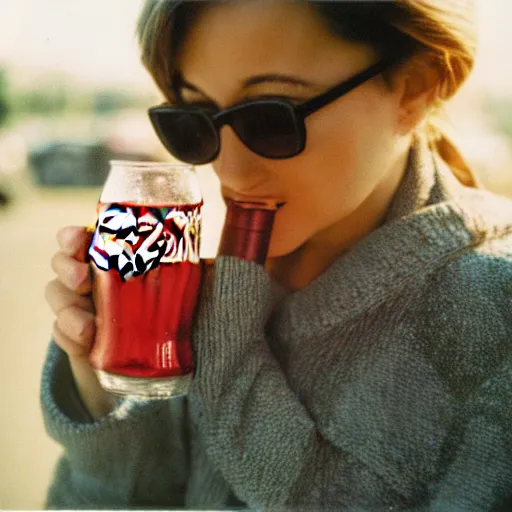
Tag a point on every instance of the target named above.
point(144, 323)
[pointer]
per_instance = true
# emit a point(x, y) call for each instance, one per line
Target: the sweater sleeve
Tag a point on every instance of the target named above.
point(253, 426)
point(136, 456)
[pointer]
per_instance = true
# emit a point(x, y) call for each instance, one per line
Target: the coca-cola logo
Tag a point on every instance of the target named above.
point(135, 239)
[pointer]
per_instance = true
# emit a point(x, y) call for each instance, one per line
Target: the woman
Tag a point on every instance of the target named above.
point(367, 365)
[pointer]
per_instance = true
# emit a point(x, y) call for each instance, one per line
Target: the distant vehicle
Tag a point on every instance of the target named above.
point(5, 198)
point(75, 163)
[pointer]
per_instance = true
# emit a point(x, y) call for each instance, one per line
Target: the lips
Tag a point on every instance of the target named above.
point(259, 203)
point(253, 198)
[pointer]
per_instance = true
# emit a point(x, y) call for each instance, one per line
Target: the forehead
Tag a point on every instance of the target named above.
point(241, 39)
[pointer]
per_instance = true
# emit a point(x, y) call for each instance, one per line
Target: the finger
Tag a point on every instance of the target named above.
point(71, 347)
point(75, 241)
point(77, 325)
point(74, 275)
point(60, 297)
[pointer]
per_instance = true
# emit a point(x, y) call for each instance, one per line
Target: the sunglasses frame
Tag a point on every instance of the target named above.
point(299, 112)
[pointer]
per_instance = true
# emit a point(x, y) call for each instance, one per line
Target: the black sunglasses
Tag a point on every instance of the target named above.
point(271, 128)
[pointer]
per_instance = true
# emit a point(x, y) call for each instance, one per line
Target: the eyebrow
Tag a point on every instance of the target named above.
point(258, 80)
point(276, 78)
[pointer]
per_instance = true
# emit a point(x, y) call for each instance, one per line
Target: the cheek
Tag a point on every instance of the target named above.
point(344, 160)
point(331, 165)
point(348, 145)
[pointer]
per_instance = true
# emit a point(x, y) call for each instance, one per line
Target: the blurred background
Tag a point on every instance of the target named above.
point(73, 95)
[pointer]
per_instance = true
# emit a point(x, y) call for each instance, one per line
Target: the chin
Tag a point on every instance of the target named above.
point(279, 247)
point(284, 241)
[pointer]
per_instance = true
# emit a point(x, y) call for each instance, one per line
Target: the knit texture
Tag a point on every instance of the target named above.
point(385, 384)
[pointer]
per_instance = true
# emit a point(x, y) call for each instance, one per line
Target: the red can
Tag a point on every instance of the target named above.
point(147, 277)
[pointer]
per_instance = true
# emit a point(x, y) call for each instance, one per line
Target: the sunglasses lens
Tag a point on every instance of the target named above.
point(269, 129)
point(189, 136)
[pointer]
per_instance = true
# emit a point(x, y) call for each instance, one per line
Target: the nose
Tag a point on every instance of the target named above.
point(237, 167)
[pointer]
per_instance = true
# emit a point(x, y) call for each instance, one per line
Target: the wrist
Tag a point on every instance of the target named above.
point(96, 401)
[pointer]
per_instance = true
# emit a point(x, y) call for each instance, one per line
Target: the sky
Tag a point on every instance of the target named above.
point(93, 41)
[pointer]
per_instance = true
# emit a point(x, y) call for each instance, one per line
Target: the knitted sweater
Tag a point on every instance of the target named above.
point(385, 384)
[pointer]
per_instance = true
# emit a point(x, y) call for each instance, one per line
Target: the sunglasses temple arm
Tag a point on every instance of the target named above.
point(316, 103)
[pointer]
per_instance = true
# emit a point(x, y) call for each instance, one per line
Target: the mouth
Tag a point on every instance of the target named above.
point(267, 201)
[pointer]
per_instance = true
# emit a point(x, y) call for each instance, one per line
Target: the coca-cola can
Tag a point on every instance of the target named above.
point(147, 275)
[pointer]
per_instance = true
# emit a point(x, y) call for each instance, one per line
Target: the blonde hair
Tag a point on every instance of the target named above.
point(442, 30)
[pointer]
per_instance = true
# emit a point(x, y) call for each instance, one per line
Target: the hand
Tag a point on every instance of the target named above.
point(69, 295)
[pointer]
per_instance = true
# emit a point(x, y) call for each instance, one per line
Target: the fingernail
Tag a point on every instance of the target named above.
point(86, 329)
point(81, 276)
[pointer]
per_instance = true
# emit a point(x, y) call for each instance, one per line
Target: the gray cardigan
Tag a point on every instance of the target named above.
point(385, 384)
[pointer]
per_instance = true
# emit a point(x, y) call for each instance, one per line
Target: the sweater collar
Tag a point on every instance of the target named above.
point(432, 215)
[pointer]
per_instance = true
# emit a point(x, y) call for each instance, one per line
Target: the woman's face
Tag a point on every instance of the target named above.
point(283, 49)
